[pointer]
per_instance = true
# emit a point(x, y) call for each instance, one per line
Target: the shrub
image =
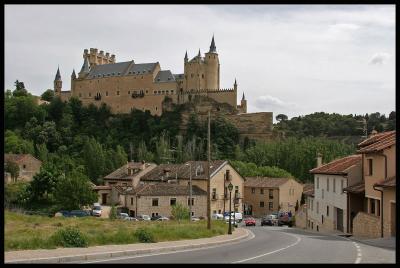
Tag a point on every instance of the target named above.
point(113, 213)
point(70, 237)
point(180, 212)
point(144, 236)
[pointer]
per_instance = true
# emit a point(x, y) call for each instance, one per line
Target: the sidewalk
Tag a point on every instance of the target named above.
point(388, 243)
point(63, 255)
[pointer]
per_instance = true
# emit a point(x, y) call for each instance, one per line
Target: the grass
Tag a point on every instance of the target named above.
point(23, 232)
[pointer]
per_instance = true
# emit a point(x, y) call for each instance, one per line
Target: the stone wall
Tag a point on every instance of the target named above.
point(366, 225)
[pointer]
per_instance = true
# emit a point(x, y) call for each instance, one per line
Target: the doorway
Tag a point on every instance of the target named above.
point(339, 219)
point(103, 199)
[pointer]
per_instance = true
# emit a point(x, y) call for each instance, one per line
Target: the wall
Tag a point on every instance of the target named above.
point(32, 166)
point(289, 193)
point(389, 198)
point(366, 226)
point(255, 198)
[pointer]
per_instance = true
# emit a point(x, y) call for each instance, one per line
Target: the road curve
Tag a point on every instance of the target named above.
point(269, 245)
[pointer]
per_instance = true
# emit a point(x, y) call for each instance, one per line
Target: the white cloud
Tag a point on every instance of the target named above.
point(379, 58)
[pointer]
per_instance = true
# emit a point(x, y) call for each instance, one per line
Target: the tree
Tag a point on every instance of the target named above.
point(42, 152)
point(48, 95)
point(44, 183)
point(180, 212)
point(281, 117)
point(20, 90)
point(74, 191)
point(17, 145)
point(113, 212)
point(93, 157)
point(12, 168)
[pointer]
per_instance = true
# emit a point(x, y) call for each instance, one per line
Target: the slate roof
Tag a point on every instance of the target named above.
point(357, 188)
point(265, 182)
point(164, 76)
point(338, 166)
point(142, 68)
point(58, 75)
point(121, 69)
point(165, 189)
point(182, 171)
point(18, 158)
point(390, 182)
point(178, 76)
point(377, 142)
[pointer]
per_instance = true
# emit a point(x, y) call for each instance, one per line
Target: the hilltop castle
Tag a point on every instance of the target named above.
point(128, 85)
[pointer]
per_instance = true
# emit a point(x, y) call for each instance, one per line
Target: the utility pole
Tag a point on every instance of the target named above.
point(208, 173)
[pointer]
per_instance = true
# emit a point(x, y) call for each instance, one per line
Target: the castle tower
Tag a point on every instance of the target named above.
point(243, 104)
point(195, 77)
point(212, 67)
point(73, 77)
point(85, 68)
point(98, 58)
point(57, 83)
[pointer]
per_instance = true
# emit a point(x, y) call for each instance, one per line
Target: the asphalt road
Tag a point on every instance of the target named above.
point(273, 245)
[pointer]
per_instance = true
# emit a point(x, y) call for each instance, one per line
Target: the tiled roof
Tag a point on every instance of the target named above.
point(164, 76)
point(101, 187)
point(165, 189)
point(17, 158)
point(377, 142)
point(308, 189)
point(178, 76)
point(181, 171)
point(338, 166)
point(391, 182)
point(264, 182)
point(121, 69)
point(122, 172)
point(357, 188)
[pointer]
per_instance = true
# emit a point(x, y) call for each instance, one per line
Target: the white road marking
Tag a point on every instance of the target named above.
point(271, 252)
point(359, 255)
point(172, 252)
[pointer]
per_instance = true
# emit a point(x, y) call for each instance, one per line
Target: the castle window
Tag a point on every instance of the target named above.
point(106, 93)
point(130, 72)
point(163, 92)
point(167, 91)
point(142, 76)
point(113, 73)
point(202, 75)
point(214, 56)
point(147, 91)
point(191, 75)
point(159, 92)
point(155, 92)
point(209, 57)
point(117, 92)
point(172, 91)
point(90, 94)
point(158, 79)
point(129, 92)
point(156, 108)
point(119, 73)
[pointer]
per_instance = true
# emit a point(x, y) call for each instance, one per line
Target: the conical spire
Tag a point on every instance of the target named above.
point(213, 48)
point(186, 56)
point(73, 74)
point(58, 75)
point(199, 55)
point(86, 66)
point(243, 98)
point(235, 84)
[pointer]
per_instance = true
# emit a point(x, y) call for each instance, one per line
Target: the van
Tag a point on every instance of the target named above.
point(237, 215)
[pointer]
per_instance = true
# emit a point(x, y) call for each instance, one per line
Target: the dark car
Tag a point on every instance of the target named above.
point(65, 213)
point(79, 213)
point(156, 217)
point(269, 220)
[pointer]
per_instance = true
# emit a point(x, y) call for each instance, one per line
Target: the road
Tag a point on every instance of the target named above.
point(273, 245)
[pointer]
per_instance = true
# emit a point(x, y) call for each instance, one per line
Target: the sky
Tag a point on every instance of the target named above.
point(290, 59)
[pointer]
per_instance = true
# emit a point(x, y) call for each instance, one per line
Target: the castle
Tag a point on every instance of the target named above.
point(128, 85)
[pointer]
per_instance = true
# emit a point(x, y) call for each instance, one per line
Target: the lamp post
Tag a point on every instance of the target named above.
point(230, 187)
point(190, 190)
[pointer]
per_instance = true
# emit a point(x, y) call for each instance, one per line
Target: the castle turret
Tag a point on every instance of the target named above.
point(212, 67)
point(85, 68)
point(73, 77)
point(186, 57)
point(57, 82)
point(243, 103)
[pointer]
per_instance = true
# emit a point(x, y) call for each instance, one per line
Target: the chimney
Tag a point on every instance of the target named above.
point(319, 160)
point(373, 133)
point(143, 165)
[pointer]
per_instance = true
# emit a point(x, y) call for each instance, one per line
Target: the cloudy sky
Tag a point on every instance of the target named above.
point(291, 59)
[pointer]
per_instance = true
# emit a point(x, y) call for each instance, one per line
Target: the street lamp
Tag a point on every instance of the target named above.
point(230, 187)
point(190, 190)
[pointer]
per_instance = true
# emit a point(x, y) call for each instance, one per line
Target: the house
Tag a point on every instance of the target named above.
point(127, 175)
point(264, 195)
point(372, 201)
point(158, 199)
point(28, 166)
point(308, 192)
point(330, 201)
point(221, 174)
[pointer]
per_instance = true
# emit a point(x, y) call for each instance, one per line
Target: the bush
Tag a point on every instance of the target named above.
point(180, 212)
point(144, 236)
point(113, 213)
point(70, 237)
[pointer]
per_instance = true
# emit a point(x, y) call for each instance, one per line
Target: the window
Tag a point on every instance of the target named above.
point(317, 207)
point(372, 206)
point(131, 200)
point(334, 185)
point(253, 190)
point(24, 166)
point(317, 182)
point(155, 202)
point(370, 170)
point(90, 94)
point(261, 191)
point(261, 204)
point(322, 218)
point(341, 186)
point(214, 193)
point(191, 75)
point(118, 93)
point(202, 75)
point(147, 91)
point(172, 201)
point(271, 194)
point(271, 205)
point(106, 93)
point(322, 193)
point(189, 201)
point(327, 210)
point(327, 184)
point(172, 91)
point(312, 205)
point(378, 207)
point(156, 108)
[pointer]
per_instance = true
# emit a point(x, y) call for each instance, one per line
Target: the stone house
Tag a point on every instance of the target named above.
point(264, 195)
point(158, 199)
point(221, 174)
point(331, 203)
point(28, 167)
point(372, 201)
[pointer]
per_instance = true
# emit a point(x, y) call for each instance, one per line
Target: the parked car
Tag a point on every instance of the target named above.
point(250, 221)
point(96, 211)
point(237, 215)
point(162, 218)
point(217, 216)
point(125, 216)
point(65, 213)
point(269, 220)
point(284, 218)
point(79, 213)
point(155, 217)
point(195, 218)
point(143, 218)
point(233, 222)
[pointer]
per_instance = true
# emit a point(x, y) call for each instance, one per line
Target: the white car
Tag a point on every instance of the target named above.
point(163, 219)
point(144, 218)
point(237, 215)
point(233, 222)
point(125, 216)
point(217, 216)
point(195, 218)
point(96, 211)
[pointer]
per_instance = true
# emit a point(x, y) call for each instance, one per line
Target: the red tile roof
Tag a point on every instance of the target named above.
point(165, 189)
point(391, 182)
point(357, 188)
point(338, 166)
point(17, 158)
point(377, 142)
point(264, 182)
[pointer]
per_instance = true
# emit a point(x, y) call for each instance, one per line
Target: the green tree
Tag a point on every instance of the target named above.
point(113, 212)
point(44, 183)
point(20, 90)
point(74, 191)
point(94, 160)
point(180, 212)
point(17, 145)
point(16, 193)
point(281, 117)
point(48, 95)
point(12, 168)
point(42, 152)
point(143, 153)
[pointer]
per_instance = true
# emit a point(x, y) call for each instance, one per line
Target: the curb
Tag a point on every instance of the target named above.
point(105, 255)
